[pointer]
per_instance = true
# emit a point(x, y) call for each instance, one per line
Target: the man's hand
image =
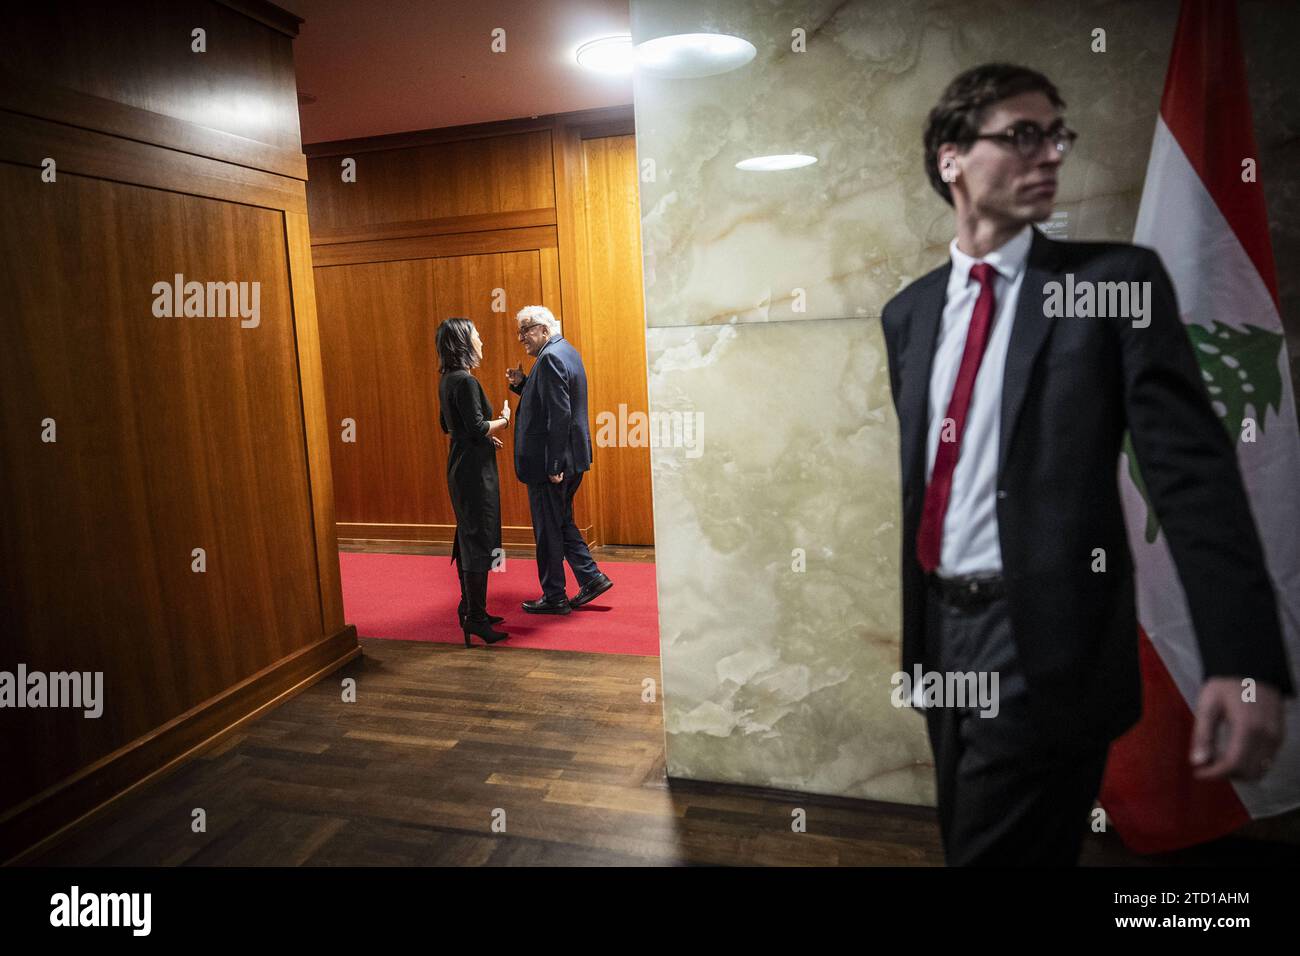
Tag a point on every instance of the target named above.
point(497, 442)
point(515, 375)
point(556, 479)
point(1254, 730)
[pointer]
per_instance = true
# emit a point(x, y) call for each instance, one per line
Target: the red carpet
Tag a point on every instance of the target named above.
point(413, 597)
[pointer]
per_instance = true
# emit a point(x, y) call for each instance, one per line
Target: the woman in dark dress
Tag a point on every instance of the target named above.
point(466, 415)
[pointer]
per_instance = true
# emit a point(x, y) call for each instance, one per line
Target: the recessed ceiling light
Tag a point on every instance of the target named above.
point(607, 55)
point(688, 56)
point(783, 161)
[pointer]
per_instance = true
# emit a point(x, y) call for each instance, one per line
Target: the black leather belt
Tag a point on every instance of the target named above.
point(966, 590)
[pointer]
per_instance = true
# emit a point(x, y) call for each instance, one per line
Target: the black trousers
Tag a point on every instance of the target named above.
point(1006, 796)
point(557, 536)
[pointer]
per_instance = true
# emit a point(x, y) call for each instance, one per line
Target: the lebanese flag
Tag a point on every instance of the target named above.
point(1203, 211)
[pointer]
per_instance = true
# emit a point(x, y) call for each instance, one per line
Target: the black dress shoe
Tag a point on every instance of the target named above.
point(543, 606)
point(591, 590)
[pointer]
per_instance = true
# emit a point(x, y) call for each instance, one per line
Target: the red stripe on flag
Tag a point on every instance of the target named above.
point(1148, 791)
point(1206, 105)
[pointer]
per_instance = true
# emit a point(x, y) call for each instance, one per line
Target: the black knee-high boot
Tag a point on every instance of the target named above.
point(460, 608)
point(464, 602)
point(476, 616)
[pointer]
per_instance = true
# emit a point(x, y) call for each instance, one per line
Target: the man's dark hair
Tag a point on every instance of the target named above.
point(961, 109)
point(454, 347)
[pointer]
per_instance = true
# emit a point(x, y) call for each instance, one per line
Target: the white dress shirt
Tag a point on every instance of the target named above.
point(970, 527)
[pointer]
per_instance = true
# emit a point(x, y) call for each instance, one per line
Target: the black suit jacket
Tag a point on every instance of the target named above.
point(1071, 388)
point(551, 431)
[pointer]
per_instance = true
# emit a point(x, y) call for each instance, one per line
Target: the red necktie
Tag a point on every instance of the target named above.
point(930, 536)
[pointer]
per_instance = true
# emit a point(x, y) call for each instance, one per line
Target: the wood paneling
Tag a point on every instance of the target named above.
point(461, 178)
point(315, 421)
point(377, 351)
point(450, 134)
point(28, 141)
point(138, 54)
point(614, 299)
point(465, 212)
point(378, 322)
point(173, 433)
point(465, 286)
point(164, 429)
point(87, 111)
point(487, 222)
point(428, 247)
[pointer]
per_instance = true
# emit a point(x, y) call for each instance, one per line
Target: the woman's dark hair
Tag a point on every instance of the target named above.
point(960, 111)
point(454, 347)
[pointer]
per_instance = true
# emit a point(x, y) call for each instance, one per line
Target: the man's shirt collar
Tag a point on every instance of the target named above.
point(1008, 259)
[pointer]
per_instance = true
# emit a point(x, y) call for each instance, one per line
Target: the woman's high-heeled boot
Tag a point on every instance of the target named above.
point(460, 608)
point(476, 617)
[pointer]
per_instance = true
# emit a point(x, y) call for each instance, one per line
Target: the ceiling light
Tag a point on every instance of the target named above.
point(688, 56)
point(607, 55)
point(769, 163)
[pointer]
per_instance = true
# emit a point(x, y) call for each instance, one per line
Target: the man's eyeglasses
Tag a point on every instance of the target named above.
point(526, 329)
point(1026, 137)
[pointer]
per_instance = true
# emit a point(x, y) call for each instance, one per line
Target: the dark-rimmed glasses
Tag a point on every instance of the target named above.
point(1026, 137)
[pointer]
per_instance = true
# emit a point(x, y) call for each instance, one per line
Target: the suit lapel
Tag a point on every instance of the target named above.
point(923, 332)
point(1028, 333)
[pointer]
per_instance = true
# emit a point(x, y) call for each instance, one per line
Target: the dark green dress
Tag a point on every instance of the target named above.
point(471, 470)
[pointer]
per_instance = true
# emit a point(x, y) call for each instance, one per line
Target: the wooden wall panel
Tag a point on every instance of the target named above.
point(138, 54)
point(27, 141)
point(465, 287)
point(495, 174)
point(378, 351)
point(378, 322)
point(497, 206)
point(173, 432)
point(616, 325)
point(438, 246)
point(315, 422)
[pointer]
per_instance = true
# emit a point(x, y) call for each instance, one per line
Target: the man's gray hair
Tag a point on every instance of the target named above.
point(539, 314)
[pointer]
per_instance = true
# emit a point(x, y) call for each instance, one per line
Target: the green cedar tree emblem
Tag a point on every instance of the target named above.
point(1240, 368)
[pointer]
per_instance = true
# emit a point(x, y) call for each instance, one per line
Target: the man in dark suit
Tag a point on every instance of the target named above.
point(552, 450)
point(1015, 560)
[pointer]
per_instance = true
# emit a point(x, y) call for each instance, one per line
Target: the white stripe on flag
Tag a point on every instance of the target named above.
point(1216, 281)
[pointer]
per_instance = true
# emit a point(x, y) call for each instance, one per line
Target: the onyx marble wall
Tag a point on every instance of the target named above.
point(778, 537)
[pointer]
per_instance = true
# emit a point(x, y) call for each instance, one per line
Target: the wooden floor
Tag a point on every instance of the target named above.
point(441, 741)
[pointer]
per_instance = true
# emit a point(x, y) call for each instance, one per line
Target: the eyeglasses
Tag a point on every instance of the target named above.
point(527, 328)
point(1026, 137)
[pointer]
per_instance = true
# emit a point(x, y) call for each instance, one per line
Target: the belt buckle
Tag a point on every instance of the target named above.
point(965, 591)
